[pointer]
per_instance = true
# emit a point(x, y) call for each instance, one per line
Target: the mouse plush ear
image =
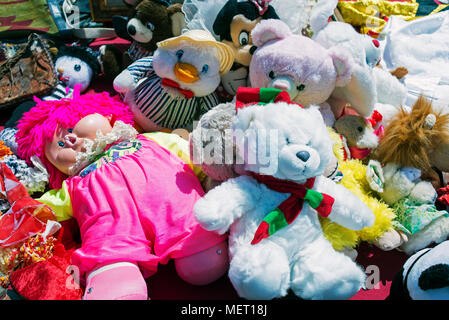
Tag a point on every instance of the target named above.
point(343, 63)
point(268, 30)
point(178, 20)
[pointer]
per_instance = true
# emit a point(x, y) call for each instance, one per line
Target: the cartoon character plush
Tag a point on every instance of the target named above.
point(132, 198)
point(148, 22)
point(424, 276)
point(275, 240)
point(299, 65)
point(233, 25)
point(175, 86)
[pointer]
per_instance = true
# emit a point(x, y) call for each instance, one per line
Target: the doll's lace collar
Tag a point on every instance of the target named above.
point(94, 148)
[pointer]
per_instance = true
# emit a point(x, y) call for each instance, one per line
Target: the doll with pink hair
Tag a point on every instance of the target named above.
point(132, 198)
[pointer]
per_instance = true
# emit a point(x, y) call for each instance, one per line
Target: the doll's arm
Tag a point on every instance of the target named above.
point(348, 210)
point(222, 205)
point(59, 201)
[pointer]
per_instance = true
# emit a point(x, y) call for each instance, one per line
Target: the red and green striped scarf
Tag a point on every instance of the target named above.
point(289, 210)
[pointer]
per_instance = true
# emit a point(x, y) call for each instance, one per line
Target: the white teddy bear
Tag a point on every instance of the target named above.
point(276, 241)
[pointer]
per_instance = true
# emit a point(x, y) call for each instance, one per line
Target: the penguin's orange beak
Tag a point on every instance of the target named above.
point(186, 72)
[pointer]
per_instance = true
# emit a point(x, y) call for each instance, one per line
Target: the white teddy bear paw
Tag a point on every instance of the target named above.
point(212, 216)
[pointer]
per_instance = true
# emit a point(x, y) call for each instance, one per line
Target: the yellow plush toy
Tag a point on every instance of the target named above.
point(354, 179)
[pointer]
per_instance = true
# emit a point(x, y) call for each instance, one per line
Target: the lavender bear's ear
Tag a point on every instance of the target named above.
point(343, 63)
point(268, 30)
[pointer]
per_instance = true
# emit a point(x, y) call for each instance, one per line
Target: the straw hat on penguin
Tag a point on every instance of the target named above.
point(201, 37)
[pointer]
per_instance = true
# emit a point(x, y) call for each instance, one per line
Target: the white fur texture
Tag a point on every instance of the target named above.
point(298, 256)
point(361, 90)
point(389, 89)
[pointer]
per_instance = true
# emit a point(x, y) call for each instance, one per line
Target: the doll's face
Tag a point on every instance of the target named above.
point(67, 142)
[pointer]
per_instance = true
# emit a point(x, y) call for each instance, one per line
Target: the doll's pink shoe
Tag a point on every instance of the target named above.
point(117, 281)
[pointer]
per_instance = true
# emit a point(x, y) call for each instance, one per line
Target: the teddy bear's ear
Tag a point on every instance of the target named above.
point(268, 30)
point(178, 20)
point(343, 65)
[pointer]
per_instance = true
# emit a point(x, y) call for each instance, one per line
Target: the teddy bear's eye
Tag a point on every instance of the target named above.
point(77, 67)
point(271, 74)
point(243, 38)
point(179, 54)
point(205, 68)
point(150, 26)
point(287, 140)
point(301, 87)
point(359, 129)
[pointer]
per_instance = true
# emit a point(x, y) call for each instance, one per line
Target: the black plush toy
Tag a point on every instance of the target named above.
point(148, 22)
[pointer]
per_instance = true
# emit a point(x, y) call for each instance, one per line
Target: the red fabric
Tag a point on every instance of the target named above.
point(325, 207)
point(48, 280)
point(246, 96)
point(170, 83)
point(261, 232)
point(359, 153)
point(443, 195)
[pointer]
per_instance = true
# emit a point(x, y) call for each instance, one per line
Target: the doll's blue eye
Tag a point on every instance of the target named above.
point(77, 67)
point(179, 53)
point(205, 68)
point(69, 130)
point(61, 144)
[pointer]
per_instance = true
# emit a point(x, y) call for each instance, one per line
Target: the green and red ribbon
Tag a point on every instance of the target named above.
point(261, 96)
point(289, 209)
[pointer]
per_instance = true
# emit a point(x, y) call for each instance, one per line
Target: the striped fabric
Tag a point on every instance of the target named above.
point(136, 52)
point(59, 92)
point(159, 106)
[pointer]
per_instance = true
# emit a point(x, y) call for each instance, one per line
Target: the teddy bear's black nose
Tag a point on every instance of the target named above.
point(131, 30)
point(303, 155)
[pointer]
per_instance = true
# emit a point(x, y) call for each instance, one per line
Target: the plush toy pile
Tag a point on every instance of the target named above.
point(260, 141)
